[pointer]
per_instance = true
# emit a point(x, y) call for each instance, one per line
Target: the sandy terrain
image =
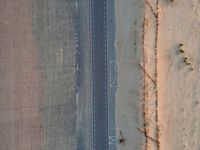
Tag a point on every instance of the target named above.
point(178, 85)
point(37, 75)
point(129, 113)
point(166, 108)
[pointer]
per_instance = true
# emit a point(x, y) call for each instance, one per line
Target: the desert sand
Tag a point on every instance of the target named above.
point(178, 85)
point(158, 100)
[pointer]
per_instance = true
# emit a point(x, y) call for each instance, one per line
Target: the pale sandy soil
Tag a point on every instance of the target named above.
point(178, 86)
point(171, 92)
point(128, 43)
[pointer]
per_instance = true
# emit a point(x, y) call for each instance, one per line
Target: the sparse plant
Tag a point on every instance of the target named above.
point(121, 139)
point(181, 51)
point(181, 48)
point(181, 45)
point(188, 63)
point(185, 59)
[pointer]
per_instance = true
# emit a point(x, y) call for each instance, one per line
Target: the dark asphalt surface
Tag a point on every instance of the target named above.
point(99, 65)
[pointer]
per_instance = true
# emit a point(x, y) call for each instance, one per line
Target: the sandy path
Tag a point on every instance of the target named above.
point(20, 123)
point(129, 115)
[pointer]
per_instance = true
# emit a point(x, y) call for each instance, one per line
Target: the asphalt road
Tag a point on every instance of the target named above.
point(99, 75)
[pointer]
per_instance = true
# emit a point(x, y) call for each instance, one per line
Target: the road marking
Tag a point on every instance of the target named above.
point(112, 139)
point(93, 80)
point(76, 4)
point(113, 71)
point(105, 72)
